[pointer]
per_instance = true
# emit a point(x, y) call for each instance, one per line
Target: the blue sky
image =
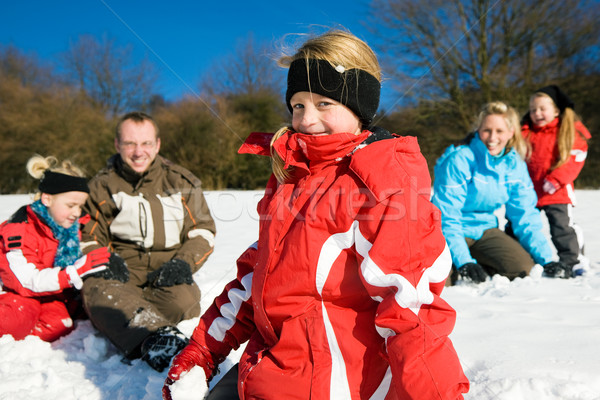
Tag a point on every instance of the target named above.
point(182, 38)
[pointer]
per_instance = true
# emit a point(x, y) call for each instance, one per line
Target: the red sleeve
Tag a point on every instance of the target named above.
point(405, 263)
point(229, 320)
point(23, 268)
point(569, 171)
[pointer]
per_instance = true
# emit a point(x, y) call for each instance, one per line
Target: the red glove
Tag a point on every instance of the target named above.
point(193, 354)
point(93, 262)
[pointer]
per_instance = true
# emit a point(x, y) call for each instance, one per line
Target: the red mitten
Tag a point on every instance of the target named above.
point(193, 354)
point(93, 262)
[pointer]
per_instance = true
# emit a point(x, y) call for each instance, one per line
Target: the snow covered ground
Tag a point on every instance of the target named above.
point(530, 339)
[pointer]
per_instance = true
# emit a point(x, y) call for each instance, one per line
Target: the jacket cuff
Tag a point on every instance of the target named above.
point(554, 182)
point(64, 281)
point(73, 277)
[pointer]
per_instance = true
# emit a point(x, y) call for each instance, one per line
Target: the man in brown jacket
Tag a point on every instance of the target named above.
point(153, 216)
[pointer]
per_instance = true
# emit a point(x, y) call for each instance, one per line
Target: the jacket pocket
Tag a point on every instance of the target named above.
point(283, 371)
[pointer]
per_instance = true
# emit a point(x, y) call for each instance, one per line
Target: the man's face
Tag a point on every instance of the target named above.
point(137, 144)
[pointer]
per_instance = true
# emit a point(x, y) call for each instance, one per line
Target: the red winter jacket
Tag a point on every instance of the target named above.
point(28, 248)
point(340, 296)
point(545, 154)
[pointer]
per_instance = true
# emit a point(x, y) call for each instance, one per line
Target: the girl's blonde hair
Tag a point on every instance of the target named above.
point(338, 47)
point(566, 130)
point(511, 118)
point(38, 165)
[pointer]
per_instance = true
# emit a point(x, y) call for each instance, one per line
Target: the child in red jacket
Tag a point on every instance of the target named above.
point(340, 295)
point(558, 151)
point(40, 257)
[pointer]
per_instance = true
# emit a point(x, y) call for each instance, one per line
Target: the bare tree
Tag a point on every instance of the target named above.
point(26, 68)
point(248, 70)
point(109, 75)
point(461, 50)
point(41, 114)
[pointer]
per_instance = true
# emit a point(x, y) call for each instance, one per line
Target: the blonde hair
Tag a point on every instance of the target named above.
point(38, 165)
point(511, 118)
point(338, 47)
point(566, 130)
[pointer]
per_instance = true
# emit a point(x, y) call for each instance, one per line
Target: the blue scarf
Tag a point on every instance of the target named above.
point(68, 250)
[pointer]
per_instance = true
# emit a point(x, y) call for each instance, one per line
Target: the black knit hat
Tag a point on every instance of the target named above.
point(356, 89)
point(55, 182)
point(561, 100)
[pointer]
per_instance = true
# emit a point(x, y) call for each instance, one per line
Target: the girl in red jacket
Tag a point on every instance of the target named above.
point(558, 151)
point(340, 295)
point(40, 258)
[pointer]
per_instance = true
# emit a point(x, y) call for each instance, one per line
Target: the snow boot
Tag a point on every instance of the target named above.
point(160, 347)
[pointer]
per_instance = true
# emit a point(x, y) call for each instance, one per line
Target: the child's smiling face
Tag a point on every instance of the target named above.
point(315, 114)
point(542, 110)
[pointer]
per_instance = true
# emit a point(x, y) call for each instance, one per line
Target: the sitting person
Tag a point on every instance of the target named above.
point(153, 216)
point(473, 181)
point(41, 264)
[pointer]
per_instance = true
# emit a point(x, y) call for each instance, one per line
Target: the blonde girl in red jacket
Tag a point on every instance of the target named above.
point(558, 151)
point(41, 264)
point(340, 295)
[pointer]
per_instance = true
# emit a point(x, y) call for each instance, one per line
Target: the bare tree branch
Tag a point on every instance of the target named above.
point(109, 75)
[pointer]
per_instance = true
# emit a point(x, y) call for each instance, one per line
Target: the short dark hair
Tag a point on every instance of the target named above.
point(138, 117)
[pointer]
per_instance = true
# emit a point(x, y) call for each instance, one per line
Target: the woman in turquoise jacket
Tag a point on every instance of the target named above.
point(475, 179)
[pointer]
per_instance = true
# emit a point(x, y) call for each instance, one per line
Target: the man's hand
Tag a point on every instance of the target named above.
point(173, 272)
point(117, 269)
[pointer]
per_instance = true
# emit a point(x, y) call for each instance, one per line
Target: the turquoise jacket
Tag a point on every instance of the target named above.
point(471, 184)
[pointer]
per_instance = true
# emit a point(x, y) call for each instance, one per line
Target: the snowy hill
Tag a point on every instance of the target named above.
point(533, 338)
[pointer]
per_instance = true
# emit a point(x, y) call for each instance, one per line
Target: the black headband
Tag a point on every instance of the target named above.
point(561, 100)
point(356, 89)
point(55, 182)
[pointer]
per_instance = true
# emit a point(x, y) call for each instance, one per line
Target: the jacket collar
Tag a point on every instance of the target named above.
point(32, 216)
point(550, 125)
point(306, 152)
point(131, 176)
point(483, 155)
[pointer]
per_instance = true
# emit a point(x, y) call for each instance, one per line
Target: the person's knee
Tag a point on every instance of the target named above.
point(54, 322)
point(183, 303)
point(18, 315)
point(516, 268)
point(49, 332)
point(99, 290)
point(187, 307)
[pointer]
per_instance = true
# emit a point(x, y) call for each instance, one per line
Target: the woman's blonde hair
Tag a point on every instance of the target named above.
point(38, 165)
point(338, 47)
point(511, 118)
point(566, 130)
